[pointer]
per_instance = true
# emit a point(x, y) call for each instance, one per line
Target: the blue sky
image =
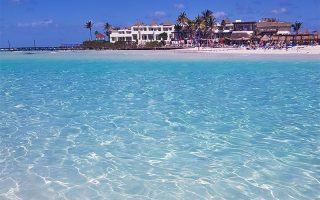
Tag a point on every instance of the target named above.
point(54, 22)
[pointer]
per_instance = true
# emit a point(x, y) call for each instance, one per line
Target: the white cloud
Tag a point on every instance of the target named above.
point(219, 14)
point(159, 14)
point(19, 1)
point(179, 6)
point(279, 11)
point(37, 23)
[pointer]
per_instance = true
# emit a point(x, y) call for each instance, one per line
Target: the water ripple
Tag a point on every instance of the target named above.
point(76, 129)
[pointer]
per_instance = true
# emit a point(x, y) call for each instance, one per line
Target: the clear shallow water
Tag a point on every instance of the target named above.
point(112, 129)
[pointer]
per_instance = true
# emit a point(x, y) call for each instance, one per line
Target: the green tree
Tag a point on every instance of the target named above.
point(89, 25)
point(223, 25)
point(209, 22)
point(182, 19)
point(178, 29)
point(199, 26)
point(190, 28)
point(163, 36)
point(296, 27)
point(108, 29)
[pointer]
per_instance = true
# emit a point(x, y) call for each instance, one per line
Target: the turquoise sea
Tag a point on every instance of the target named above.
point(81, 128)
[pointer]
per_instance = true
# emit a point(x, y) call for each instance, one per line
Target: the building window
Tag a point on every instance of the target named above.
point(150, 37)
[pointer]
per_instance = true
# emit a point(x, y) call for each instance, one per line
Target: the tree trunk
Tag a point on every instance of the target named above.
point(90, 35)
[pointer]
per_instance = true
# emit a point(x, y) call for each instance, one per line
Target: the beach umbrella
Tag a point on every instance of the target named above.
point(265, 38)
point(282, 38)
point(275, 38)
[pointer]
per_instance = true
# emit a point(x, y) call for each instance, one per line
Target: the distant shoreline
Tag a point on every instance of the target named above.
point(79, 49)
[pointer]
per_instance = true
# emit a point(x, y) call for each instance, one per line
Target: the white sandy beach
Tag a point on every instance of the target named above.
point(296, 53)
point(299, 50)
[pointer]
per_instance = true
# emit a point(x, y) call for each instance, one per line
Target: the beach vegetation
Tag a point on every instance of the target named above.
point(95, 44)
point(178, 29)
point(296, 27)
point(209, 23)
point(108, 29)
point(223, 24)
point(120, 45)
point(182, 19)
point(153, 45)
point(102, 44)
point(163, 36)
point(201, 27)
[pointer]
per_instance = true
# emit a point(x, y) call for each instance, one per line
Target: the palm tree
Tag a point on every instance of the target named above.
point(190, 27)
point(296, 27)
point(108, 29)
point(89, 25)
point(198, 28)
point(209, 21)
point(223, 24)
point(199, 25)
point(178, 29)
point(182, 19)
point(207, 14)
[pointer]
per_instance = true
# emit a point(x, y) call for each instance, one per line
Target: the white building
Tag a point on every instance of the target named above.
point(142, 33)
point(225, 31)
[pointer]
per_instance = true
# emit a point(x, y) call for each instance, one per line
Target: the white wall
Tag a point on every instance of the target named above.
point(143, 33)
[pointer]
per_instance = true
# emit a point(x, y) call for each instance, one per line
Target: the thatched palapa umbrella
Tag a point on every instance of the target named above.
point(265, 38)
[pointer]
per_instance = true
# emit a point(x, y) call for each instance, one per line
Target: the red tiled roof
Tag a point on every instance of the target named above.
point(100, 35)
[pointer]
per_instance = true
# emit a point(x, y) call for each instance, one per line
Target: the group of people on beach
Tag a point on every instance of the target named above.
point(274, 45)
point(249, 45)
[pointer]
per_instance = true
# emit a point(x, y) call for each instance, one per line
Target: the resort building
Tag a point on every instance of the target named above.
point(263, 30)
point(301, 39)
point(142, 33)
point(243, 31)
point(270, 26)
point(224, 29)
